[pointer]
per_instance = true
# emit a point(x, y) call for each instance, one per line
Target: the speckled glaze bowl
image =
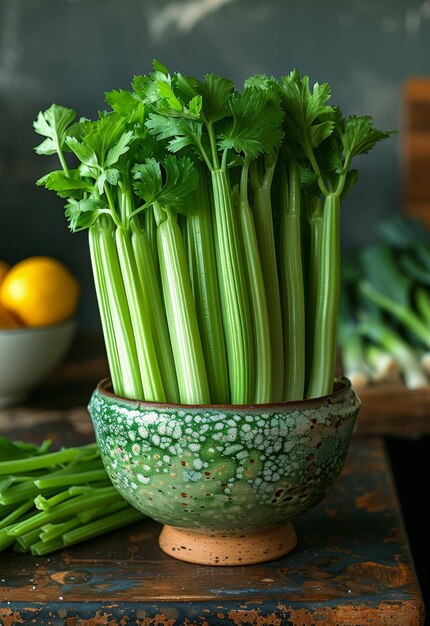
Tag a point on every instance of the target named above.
point(226, 481)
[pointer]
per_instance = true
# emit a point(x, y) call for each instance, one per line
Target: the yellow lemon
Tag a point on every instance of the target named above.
point(40, 291)
point(4, 268)
point(7, 320)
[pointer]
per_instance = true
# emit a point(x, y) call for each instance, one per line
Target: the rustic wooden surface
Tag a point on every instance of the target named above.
point(391, 409)
point(352, 564)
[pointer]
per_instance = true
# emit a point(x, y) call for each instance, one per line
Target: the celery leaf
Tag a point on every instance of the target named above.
point(85, 153)
point(216, 93)
point(83, 214)
point(170, 187)
point(187, 87)
point(256, 124)
point(159, 67)
point(121, 147)
point(308, 120)
point(181, 181)
point(148, 179)
point(101, 135)
point(360, 136)
point(66, 186)
point(127, 104)
point(122, 101)
point(181, 132)
point(53, 124)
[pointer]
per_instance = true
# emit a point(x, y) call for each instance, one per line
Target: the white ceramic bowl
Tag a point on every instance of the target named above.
point(28, 356)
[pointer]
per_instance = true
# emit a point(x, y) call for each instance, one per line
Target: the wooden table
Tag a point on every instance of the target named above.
point(352, 565)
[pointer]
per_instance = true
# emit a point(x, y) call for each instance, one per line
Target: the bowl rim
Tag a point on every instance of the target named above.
point(343, 383)
point(22, 330)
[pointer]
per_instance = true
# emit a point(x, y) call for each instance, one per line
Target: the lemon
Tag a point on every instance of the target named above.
point(7, 320)
point(40, 291)
point(4, 268)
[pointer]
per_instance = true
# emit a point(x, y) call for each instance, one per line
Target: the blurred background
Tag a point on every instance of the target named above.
point(71, 52)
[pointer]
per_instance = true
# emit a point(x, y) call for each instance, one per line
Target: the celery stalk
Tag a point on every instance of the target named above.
point(41, 548)
point(151, 289)
point(47, 460)
point(139, 307)
point(314, 217)
point(44, 504)
point(70, 479)
point(292, 289)
point(108, 523)
point(16, 514)
point(150, 230)
point(257, 297)
point(53, 531)
point(93, 514)
point(105, 313)
point(102, 497)
point(24, 542)
point(5, 539)
point(204, 281)
point(20, 492)
point(120, 314)
point(234, 300)
point(261, 175)
point(180, 311)
point(327, 302)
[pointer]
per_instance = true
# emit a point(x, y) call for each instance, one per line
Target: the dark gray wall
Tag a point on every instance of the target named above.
point(71, 51)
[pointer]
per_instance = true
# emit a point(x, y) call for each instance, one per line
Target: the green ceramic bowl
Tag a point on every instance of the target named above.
point(224, 471)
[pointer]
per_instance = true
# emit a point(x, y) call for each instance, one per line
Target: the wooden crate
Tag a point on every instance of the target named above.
point(416, 148)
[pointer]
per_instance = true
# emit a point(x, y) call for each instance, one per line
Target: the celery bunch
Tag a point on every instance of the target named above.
point(213, 218)
point(50, 500)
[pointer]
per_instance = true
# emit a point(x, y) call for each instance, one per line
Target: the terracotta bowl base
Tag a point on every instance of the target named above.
point(251, 547)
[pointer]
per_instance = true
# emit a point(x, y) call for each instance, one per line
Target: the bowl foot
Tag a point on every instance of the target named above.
point(250, 547)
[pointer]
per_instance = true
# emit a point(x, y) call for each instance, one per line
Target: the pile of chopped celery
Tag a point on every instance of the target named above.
point(384, 329)
point(51, 500)
point(213, 219)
